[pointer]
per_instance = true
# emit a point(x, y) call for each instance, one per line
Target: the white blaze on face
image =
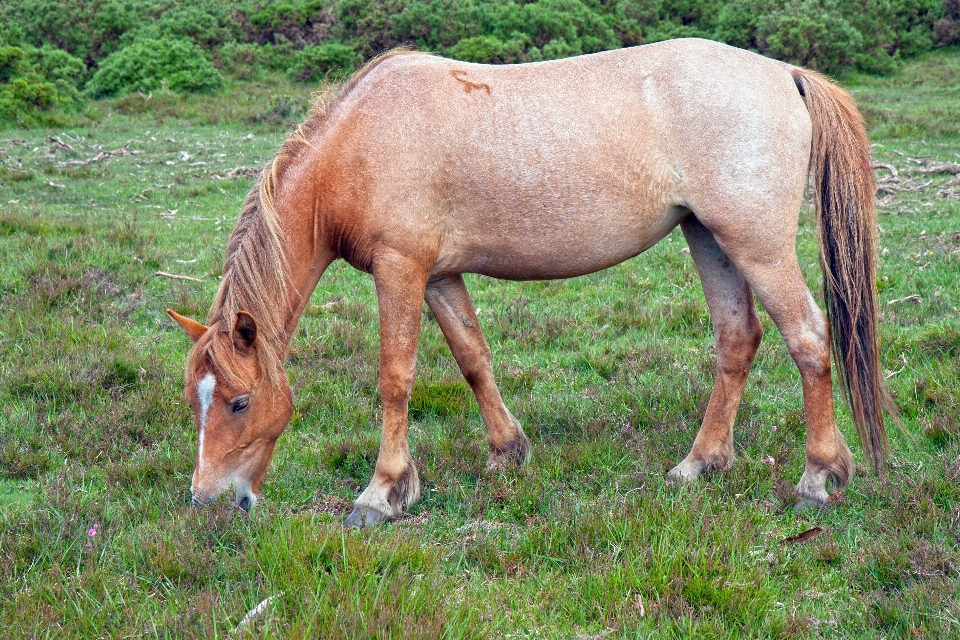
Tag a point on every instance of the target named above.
point(205, 396)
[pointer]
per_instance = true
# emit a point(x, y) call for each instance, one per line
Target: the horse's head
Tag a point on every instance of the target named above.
point(239, 411)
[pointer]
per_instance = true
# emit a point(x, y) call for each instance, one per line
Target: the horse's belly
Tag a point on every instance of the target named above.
point(549, 247)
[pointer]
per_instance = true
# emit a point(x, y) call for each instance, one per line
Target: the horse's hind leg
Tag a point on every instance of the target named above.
point(737, 331)
point(775, 276)
point(451, 305)
point(395, 485)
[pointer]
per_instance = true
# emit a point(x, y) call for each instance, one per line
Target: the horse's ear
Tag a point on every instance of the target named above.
point(244, 332)
point(191, 327)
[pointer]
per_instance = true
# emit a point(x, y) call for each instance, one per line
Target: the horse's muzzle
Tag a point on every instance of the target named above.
point(198, 500)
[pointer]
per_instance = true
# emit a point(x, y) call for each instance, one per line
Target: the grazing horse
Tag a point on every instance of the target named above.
point(424, 169)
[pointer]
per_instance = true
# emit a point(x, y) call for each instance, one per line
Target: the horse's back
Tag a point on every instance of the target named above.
point(564, 167)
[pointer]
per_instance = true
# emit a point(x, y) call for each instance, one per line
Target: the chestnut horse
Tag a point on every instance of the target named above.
point(424, 169)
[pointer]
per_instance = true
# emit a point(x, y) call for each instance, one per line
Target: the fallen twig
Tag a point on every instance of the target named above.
point(912, 298)
point(889, 167)
point(937, 167)
point(60, 144)
point(164, 274)
point(243, 172)
point(101, 155)
point(255, 613)
point(809, 534)
point(333, 302)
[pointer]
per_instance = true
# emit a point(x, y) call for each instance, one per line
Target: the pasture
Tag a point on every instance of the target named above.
point(609, 375)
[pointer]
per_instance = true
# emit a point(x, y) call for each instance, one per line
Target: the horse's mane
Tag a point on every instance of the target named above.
point(256, 275)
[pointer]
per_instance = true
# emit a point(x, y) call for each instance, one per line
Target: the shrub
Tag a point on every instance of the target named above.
point(810, 34)
point(489, 49)
point(207, 23)
point(33, 81)
point(148, 65)
point(947, 29)
point(367, 25)
point(315, 62)
point(737, 21)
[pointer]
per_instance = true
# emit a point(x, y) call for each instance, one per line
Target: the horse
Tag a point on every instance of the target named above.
point(423, 169)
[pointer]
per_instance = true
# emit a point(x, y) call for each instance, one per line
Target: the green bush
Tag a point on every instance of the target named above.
point(148, 65)
point(947, 29)
point(313, 63)
point(34, 81)
point(50, 48)
point(737, 21)
point(491, 49)
point(809, 33)
point(208, 24)
point(276, 16)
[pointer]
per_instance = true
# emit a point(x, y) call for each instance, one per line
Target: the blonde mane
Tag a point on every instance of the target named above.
point(256, 275)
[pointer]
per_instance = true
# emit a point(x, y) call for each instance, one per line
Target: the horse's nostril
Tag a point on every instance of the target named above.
point(244, 503)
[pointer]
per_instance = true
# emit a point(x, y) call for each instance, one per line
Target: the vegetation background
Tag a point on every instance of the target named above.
point(55, 54)
point(133, 129)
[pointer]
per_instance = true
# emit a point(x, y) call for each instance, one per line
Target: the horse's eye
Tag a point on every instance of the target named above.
point(240, 404)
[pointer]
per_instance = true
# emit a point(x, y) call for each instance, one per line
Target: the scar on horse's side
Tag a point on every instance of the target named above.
point(469, 86)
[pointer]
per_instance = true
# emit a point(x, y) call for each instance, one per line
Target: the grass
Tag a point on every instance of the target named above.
point(608, 373)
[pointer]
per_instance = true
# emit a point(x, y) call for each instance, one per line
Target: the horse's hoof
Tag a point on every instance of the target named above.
point(364, 517)
point(812, 490)
point(683, 473)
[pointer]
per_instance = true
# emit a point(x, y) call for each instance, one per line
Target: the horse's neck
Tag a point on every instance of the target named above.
point(307, 251)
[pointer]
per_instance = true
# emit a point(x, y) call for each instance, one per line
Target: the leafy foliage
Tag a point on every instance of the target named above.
point(148, 65)
point(33, 81)
point(947, 30)
point(315, 62)
point(809, 33)
point(308, 39)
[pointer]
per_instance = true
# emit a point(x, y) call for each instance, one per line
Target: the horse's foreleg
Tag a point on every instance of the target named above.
point(395, 485)
point(737, 331)
point(451, 305)
point(785, 296)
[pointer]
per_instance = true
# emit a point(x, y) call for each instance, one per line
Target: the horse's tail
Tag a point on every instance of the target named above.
point(846, 223)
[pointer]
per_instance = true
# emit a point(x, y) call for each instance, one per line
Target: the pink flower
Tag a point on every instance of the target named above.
point(683, 424)
point(93, 531)
point(773, 428)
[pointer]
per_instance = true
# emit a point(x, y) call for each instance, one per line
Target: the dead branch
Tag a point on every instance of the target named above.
point(60, 144)
point(889, 167)
point(913, 298)
point(937, 167)
point(174, 276)
point(101, 155)
point(243, 172)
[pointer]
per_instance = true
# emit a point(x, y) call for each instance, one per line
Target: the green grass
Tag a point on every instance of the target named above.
point(608, 373)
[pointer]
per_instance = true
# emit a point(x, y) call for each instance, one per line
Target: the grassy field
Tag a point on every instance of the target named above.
point(609, 374)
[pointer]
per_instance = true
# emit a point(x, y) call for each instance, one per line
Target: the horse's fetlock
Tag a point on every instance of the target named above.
point(516, 452)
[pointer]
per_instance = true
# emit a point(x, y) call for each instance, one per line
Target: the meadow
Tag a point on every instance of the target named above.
point(609, 375)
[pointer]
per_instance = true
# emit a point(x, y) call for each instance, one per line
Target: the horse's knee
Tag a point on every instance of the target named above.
point(737, 346)
point(396, 386)
point(811, 353)
point(809, 343)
